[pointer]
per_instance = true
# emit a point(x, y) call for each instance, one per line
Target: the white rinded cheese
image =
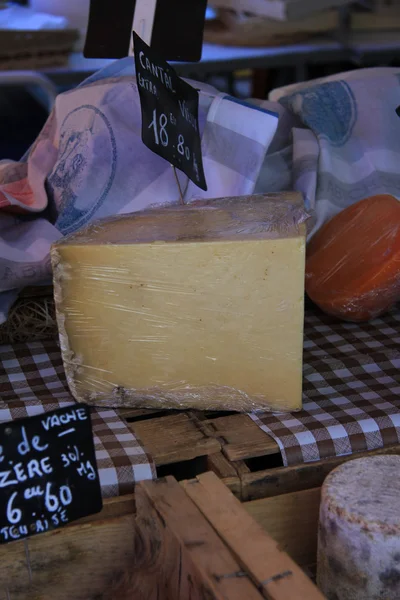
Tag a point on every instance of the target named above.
point(359, 532)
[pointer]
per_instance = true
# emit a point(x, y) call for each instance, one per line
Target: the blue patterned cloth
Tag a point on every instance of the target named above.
point(341, 143)
point(89, 162)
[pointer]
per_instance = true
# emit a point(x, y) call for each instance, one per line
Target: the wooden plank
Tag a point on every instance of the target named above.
point(14, 574)
point(218, 464)
point(292, 520)
point(76, 563)
point(197, 564)
point(174, 438)
point(241, 467)
point(242, 438)
point(137, 413)
point(112, 508)
point(284, 480)
point(270, 568)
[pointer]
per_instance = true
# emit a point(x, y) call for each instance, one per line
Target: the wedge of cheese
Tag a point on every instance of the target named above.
point(193, 306)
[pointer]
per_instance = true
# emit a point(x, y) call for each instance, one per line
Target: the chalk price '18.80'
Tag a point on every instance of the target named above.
point(161, 136)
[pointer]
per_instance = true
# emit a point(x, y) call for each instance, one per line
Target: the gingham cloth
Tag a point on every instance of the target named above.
point(351, 393)
point(32, 381)
point(351, 398)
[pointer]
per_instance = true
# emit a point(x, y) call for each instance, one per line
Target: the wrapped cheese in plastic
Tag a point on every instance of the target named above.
point(193, 306)
point(353, 262)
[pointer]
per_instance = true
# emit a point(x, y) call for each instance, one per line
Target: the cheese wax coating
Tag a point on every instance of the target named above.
point(186, 307)
point(353, 262)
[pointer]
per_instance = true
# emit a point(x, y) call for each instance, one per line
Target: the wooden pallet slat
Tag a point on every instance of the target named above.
point(218, 464)
point(284, 480)
point(174, 438)
point(248, 461)
point(243, 438)
point(139, 413)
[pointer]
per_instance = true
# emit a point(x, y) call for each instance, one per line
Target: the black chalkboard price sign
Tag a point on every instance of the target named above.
point(170, 109)
point(48, 472)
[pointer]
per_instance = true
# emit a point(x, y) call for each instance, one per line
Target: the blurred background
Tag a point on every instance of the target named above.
point(250, 47)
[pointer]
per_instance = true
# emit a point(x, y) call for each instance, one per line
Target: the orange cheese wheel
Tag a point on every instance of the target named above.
point(353, 261)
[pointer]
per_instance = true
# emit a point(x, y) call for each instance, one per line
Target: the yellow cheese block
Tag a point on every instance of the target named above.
point(194, 306)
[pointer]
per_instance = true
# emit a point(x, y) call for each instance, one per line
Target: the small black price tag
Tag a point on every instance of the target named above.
point(48, 472)
point(170, 109)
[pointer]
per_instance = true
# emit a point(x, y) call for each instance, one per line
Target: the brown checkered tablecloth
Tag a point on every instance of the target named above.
point(351, 398)
point(32, 381)
point(351, 393)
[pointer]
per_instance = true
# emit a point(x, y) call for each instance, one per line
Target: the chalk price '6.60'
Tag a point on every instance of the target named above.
point(53, 502)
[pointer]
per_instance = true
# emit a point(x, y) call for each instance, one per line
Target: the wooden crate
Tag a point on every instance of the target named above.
point(232, 28)
point(385, 17)
point(185, 541)
point(186, 444)
point(36, 49)
point(281, 10)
